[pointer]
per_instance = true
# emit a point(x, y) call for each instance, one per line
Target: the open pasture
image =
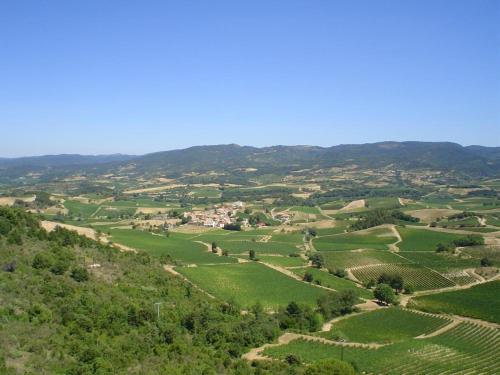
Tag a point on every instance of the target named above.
point(419, 277)
point(377, 238)
point(176, 246)
point(252, 282)
point(480, 301)
point(384, 326)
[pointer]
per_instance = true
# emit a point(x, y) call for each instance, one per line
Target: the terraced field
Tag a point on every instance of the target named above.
point(177, 246)
point(419, 277)
point(480, 301)
point(242, 247)
point(283, 261)
point(377, 238)
point(80, 209)
point(441, 262)
point(334, 282)
point(423, 239)
point(465, 349)
point(348, 259)
point(398, 324)
point(295, 238)
point(251, 282)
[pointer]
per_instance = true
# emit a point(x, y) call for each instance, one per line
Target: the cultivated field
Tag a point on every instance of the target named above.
point(465, 349)
point(418, 277)
point(377, 238)
point(480, 301)
point(398, 324)
point(176, 246)
point(251, 282)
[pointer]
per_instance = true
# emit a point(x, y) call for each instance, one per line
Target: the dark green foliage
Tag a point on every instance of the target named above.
point(42, 199)
point(440, 248)
point(299, 317)
point(43, 260)
point(232, 226)
point(103, 320)
point(293, 359)
point(470, 240)
point(384, 293)
point(381, 216)
point(394, 280)
point(330, 367)
point(332, 305)
point(317, 260)
point(308, 277)
point(251, 254)
point(486, 262)
point(339, 272)
point(79, 274)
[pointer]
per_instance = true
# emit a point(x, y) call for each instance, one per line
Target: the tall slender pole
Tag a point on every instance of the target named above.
point(157, 304)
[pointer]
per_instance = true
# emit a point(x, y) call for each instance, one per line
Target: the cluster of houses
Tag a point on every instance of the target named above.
point(284, 217)
point(215, 217)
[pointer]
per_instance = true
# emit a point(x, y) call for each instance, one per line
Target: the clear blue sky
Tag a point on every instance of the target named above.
point(140, 76)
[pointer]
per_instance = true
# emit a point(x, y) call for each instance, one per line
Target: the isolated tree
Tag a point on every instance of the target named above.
point(312, 232)
point(293, 359)
point(293, 309)
point(384, 293)
point(317, 260)
point(408, 289)
point(486, 262)
point(397, 282)
point(308, 277)
point(251, 254)
point(441, 248)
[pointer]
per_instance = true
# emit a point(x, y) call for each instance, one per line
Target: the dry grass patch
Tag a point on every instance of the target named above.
point(428, 215)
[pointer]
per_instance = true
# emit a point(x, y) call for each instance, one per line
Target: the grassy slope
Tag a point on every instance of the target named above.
point(249, 283)
point(176, 246)
point(424, 240)
point(348, 259)
point(385, 325)
point(480, 302)
point(334, 282)
point(377, 239)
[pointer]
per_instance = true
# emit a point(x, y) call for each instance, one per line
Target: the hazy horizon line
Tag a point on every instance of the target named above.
point(228, 144)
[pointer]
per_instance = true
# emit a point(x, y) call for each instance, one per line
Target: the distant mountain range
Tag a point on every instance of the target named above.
point(474, 161)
